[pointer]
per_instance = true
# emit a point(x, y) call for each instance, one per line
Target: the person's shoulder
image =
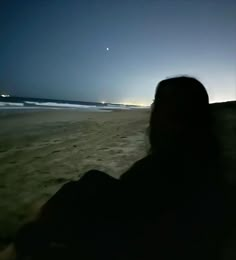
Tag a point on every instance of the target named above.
point(96, 176)
point(145, 165)
point(91, 186)
point(95, 181)
point(91, 180)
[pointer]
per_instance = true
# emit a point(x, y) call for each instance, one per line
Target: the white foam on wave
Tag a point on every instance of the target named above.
point(66, 105)
point(52, 104)
point(55, 105)
point(11, 104)
point(26, 108)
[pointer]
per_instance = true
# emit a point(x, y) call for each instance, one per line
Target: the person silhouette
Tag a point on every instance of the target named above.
point(177, 193)
point(170, 204)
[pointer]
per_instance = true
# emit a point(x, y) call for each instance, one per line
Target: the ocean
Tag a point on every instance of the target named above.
point(23, 103)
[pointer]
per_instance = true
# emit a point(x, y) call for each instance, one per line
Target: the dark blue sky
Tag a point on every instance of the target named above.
point(57, 48)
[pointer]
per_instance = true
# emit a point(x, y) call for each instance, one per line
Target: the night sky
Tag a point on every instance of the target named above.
point(58, 48)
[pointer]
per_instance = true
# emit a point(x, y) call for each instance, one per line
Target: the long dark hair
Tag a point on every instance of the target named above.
point(181, 120)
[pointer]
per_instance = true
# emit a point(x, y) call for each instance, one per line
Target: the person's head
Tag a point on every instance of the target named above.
point(180, 113)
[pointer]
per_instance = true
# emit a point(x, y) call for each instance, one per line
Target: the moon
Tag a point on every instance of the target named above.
point(107, 49)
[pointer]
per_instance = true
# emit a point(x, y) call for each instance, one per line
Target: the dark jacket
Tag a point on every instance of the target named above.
point(157, 210)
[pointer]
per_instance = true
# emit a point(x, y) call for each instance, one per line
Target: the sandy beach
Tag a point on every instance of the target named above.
point(42, 150)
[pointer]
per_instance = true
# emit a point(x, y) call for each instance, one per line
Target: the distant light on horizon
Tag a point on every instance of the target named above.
point(134, 103)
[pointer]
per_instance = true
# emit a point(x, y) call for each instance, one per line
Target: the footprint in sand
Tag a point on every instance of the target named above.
point(56, 140)
point(12, 162)
point(56, 151)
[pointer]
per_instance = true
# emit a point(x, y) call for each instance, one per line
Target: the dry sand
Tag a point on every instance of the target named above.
point(42, 150)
